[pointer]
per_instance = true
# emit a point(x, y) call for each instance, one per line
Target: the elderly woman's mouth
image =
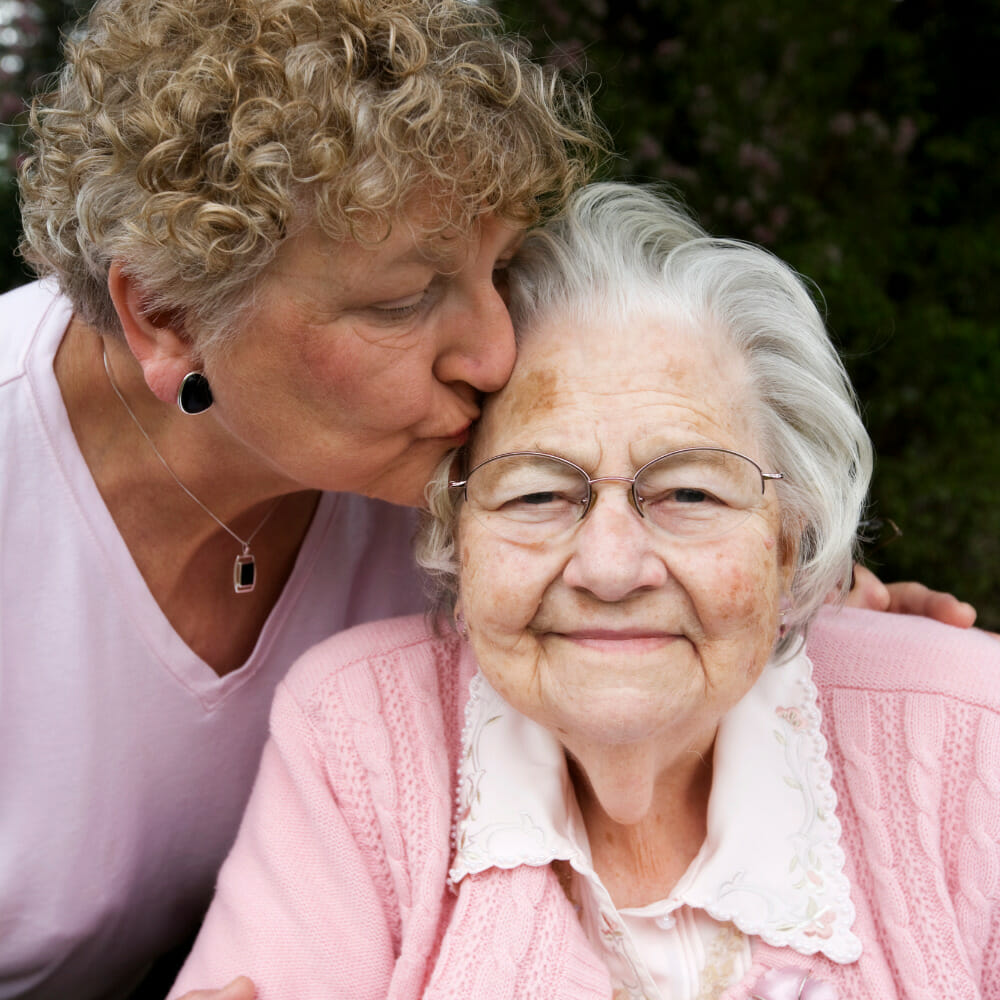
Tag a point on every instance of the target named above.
point(620, 640)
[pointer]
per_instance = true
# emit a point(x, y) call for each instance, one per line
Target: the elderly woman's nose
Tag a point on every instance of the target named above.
point(476, 344)
point(614, 553)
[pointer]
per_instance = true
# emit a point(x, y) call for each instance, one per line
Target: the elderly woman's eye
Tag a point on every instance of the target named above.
point(538, 505)
point(537, 499)
point(690, 495)
point(681, 496)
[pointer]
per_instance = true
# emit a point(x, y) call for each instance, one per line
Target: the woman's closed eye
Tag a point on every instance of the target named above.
point(403, 309)
point(406, 306)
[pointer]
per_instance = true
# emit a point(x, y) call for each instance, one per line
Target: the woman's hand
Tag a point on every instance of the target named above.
point(907, 599)
point(239, 989)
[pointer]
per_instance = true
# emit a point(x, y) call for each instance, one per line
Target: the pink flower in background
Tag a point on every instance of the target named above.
point(792, 983)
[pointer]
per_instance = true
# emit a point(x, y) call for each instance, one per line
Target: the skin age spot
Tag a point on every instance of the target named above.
point(535, 395)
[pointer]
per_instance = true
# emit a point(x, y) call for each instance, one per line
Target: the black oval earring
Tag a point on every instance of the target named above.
point(195, 394)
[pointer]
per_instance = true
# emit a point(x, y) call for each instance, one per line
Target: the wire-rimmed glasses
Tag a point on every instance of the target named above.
point(694, 493)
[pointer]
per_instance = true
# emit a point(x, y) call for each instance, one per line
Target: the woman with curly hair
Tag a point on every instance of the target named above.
point(272, 237)
point(278, 231)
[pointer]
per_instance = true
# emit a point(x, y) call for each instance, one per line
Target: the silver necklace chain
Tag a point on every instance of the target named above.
point(244, 569)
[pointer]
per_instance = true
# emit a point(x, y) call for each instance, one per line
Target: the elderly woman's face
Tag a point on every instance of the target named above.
point(616, 632)
point(362, 365)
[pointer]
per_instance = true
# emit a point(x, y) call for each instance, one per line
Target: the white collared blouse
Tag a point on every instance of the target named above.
point(771, 865)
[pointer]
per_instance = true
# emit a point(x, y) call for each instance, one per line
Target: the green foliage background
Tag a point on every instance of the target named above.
point(846, 137)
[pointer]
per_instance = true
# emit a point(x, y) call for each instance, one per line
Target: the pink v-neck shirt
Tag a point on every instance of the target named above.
point(125, 761)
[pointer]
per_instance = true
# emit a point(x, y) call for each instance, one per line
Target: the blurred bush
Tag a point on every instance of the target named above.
point(30, 34)
point(846, 137)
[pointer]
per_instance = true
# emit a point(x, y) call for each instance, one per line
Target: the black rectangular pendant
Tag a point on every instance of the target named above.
point(244, 573)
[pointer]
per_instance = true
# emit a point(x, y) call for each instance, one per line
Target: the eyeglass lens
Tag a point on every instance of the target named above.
point(698, 493)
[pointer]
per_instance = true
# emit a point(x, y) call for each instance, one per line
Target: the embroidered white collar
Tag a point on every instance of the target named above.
point(771, 863)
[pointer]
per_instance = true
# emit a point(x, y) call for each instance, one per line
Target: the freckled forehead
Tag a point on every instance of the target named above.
point(594, 380)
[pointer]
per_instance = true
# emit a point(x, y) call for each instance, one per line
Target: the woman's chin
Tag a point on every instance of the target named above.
point(620, 718)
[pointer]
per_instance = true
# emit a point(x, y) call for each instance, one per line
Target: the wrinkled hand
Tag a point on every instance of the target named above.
point(907, 599)
point(239, 989)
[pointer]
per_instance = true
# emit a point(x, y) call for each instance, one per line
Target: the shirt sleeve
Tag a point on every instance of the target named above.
point(299, 906)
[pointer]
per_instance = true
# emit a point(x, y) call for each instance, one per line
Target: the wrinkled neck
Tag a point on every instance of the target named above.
point(646, 816)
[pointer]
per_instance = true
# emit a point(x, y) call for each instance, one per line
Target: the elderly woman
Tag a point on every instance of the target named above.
point(629, 773)
point(279, 228)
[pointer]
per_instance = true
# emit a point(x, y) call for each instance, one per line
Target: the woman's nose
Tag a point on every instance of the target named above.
point(477, 342)
point(614, 552)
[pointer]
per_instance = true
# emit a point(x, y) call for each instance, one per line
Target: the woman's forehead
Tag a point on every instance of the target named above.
point(565, 356)
point(594, 379)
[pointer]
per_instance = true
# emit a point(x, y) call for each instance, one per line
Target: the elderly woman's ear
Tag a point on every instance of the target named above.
point(788, 555)
point(155, 338)
point(458, 616)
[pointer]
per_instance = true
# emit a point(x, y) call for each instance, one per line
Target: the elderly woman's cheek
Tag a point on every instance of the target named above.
point(747, 594)
point(499, 588)
point(768, 586)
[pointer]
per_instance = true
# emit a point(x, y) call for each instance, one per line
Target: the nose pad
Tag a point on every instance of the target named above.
point(630, 493)
point(614, 553)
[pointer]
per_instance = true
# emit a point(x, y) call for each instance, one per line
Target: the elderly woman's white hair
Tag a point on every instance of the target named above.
point(622, 251)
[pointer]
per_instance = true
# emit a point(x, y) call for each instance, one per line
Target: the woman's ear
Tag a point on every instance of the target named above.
point(155, 339)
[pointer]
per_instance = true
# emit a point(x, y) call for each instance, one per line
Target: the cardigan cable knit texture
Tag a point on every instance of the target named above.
point(336, 886)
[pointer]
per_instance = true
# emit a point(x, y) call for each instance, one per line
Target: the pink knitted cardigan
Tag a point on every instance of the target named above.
point(336, 886)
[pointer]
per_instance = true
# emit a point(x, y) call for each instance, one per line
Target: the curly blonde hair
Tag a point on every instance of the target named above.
point(188, 138)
